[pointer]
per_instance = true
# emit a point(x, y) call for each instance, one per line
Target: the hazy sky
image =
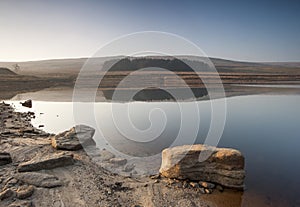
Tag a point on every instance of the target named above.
point(254, 30)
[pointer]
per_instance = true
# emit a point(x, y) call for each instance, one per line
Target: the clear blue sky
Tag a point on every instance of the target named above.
point(241, 30)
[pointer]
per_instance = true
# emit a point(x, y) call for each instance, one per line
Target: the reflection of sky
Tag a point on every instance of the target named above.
point(243, 30)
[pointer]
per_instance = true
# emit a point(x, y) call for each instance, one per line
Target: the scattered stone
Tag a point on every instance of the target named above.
point(27, 103)
point(170, 181)
point(194, 184)
point(8, 193)
point(155, 176)
point(47, 162)
point(5, 158)
point(208, 191)
point(223, 166)
point(220, 188)
point(207, 185)
point(25, 191)
point(74, 138)
point(185, 184)
point(39, 179)
point(21, 204)
point(202, 190)
point(178, 185)
point(185, 203)
point(118, 161)
point(41, 125)
point(106, 155)
point(129, 167)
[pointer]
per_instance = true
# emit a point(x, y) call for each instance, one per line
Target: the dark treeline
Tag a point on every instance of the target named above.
point(171, 64)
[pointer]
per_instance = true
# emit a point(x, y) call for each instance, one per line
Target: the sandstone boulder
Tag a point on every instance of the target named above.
point(39, 179)
point(224, 166)
point(47, 162)
point(74, 138)
point(5, 158)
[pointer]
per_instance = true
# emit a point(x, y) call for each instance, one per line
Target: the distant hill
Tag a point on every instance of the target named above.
point(71, 67)
point(6, 71)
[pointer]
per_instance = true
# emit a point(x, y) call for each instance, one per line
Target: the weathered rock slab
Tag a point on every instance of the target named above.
point(47, 162)
point(27, 103)
point(74, 138)
point(39, 179)
point(224, 166)
point(5, 158)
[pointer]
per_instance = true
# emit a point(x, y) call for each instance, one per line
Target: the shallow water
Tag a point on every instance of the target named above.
point(265, 128)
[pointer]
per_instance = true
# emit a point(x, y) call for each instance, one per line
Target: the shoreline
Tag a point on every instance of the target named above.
point(24, 142)
point(87, 184)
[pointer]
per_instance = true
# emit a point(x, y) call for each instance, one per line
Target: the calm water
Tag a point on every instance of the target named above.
point(265, 128)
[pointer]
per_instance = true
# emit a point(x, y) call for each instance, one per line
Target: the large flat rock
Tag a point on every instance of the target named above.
point(47, 162)
point(74, 138)
point(224, 166)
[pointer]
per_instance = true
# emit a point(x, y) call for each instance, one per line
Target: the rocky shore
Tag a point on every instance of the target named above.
point(42, 169)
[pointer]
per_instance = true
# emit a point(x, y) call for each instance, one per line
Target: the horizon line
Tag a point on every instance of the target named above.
point(85, 57)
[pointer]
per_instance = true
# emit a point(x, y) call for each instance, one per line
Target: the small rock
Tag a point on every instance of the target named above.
point(21, 204)
point(106, 155)
point(39, 179)
point(208, 191)
point(202, 190)
point(25, 192)
point(8, 193)
point(207, 185)
point(129, 167)
point(155, 176)
point(185, 184)
point(194, 184)
point(178, 185)
point(220, 188)
point(185, 203)
point(27, 103)
point(5, 158)
point(170, 181)
point(118, 161)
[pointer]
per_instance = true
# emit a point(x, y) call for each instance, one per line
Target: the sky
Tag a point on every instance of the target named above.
point(254, 30)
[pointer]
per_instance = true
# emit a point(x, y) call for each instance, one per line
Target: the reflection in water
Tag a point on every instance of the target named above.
point(265, 128)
